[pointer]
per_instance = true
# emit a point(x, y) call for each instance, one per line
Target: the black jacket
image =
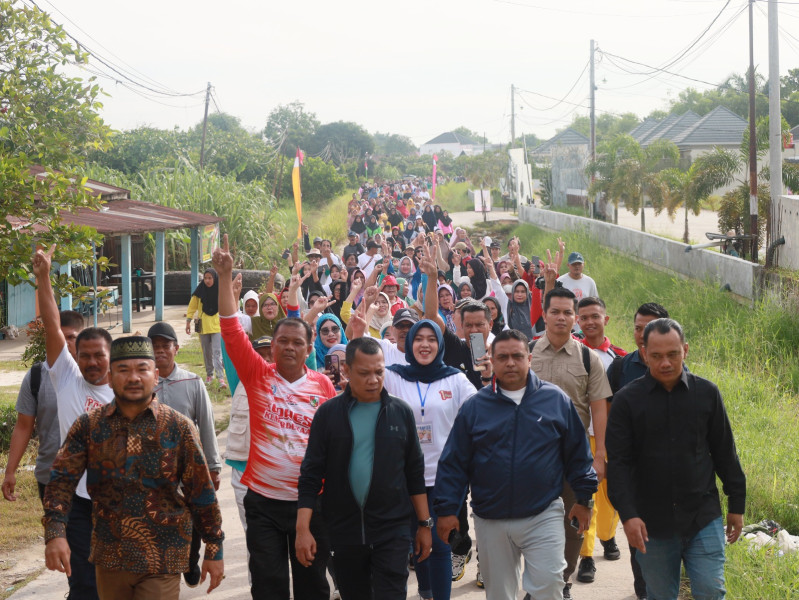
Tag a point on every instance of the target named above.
point(397, 472)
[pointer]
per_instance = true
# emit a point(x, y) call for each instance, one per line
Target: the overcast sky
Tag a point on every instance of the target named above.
point(418, 68)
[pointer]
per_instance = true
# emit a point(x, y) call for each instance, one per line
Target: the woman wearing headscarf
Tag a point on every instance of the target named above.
point(465, 289)
point(519, 310)
point(435, 392)
point(498, 319)
point(270, 313)
point(329, 332)
point(429, 218)
point(205, 301)
point(359, 227)
point(373, 226)
point(410, 231)
point(446, 306)
point(338, 291)
point(445, 223)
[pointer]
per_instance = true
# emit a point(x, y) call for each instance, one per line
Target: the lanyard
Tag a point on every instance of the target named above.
point(421, 399)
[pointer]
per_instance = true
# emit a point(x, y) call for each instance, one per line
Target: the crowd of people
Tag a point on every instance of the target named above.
point(381, 396)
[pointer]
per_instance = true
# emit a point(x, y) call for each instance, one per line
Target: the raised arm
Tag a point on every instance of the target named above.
point(223, 263)
point(428, 267)
point(54, 338)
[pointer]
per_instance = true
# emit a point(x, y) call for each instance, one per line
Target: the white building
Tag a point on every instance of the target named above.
point(454, 143)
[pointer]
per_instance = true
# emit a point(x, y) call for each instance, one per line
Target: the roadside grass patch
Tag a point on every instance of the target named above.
point(454, 197)
point(21, 520)
point(750, 350)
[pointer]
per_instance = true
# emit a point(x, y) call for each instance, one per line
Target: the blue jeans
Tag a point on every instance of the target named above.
point(703, 555)
point(434, 575)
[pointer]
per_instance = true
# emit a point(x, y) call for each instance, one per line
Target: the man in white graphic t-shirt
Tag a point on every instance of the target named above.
point(80, 386)
point(581, 285)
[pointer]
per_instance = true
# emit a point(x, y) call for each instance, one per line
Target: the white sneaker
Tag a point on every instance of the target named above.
point(458, 565)
point(480, 582)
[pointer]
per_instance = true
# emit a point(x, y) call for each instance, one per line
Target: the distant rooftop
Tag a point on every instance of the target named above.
point(450, 137)
point(719, 127)
point(567, 137)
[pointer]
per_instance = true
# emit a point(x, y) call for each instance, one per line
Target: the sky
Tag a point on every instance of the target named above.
point(417, 68)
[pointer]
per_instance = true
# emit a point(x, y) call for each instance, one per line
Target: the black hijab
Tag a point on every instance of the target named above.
point(209, 296)
point(429, 218)
point(358, 226)
point(479, 280)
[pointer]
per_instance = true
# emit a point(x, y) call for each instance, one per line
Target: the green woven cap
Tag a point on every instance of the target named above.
point(134, 346)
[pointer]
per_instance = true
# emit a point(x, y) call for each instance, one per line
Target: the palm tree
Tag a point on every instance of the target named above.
point(674, 187)
point(629, 172)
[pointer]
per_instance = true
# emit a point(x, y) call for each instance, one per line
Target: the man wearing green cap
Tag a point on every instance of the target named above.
point(148, 480)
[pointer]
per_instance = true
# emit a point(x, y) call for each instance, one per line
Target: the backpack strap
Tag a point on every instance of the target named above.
point(36, 379)
point(586, 358)
point(615, 372)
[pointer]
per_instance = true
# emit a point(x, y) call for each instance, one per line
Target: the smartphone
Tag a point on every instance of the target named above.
point(575, 523)
point(286, 254)
point(536, 261)
point(478, 346)
point(332, 365)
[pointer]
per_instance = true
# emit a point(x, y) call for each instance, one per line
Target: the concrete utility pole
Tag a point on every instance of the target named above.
point(774, 127)
point(205, 125)
point(752, 142)
point(512, 116)
point(593, 105)
point(593, 120)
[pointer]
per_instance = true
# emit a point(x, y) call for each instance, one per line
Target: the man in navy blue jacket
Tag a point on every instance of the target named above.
point(514, 442)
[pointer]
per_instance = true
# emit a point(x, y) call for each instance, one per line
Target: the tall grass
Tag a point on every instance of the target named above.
point(454, 197)
point(748, 349)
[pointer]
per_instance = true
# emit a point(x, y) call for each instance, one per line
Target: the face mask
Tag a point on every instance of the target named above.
point(508, 289)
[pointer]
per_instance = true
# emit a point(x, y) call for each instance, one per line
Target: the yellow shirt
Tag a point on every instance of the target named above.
point(210, 323)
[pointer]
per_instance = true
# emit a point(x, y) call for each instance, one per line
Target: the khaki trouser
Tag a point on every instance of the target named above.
point(124, 585)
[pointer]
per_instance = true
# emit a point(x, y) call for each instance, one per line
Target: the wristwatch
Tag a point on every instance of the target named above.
point(589, 503)
point(426, 523)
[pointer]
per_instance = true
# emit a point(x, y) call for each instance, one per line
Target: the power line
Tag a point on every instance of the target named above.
point(120, 71)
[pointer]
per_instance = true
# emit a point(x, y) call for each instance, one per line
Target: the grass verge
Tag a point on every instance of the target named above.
point(454, 197)
point(21, 520)
point(749, 351)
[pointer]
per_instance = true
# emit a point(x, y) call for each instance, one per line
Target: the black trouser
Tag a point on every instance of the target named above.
point(194, 549)
point(271, 533)
point(463, 526)
point(639, 585)
point(376, 572)
point(82, 582)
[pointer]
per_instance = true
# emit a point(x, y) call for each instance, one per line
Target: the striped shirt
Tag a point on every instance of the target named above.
point(280, 416)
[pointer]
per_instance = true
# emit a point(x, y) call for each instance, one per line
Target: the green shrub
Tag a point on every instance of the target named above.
point(8, 418)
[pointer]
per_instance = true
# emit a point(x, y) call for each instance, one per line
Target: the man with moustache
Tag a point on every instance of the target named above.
point(186, 393)
point(148, 481)
point(81, 385)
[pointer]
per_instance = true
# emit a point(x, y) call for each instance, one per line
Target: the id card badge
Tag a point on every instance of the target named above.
point(425, 433)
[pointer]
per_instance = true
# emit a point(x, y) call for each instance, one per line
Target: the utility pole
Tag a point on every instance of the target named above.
point(205, 125)
point(593, 117)
point(774, 130)
point(512, 116)
point(752, 142)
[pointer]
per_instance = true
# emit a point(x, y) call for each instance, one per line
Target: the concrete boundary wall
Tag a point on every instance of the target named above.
point(741, 275)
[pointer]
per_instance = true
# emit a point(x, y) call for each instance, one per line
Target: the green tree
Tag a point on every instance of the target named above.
point(320, 182)
point(341, 141)
point(290, 126)
point(468, 133)
point(393, 144)
point(628, 172)
point(49, 119)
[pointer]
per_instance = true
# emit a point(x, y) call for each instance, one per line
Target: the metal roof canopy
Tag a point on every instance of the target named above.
point(119, 217)
point(123, 217)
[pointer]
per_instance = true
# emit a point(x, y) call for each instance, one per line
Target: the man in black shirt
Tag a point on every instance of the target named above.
point(353, 247)
point(668, 436)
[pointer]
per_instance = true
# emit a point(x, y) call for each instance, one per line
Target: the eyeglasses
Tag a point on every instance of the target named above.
point(270, 305)
point(330, 330)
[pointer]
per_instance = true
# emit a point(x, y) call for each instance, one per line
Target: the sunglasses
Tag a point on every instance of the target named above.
point(330, 330)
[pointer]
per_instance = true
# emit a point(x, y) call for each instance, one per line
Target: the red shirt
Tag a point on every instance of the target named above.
point(280, 415)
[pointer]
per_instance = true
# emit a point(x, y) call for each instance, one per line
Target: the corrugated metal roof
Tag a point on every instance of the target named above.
point(567, 137)
point(662, 125)
point(719, 127)
point(106, 190)
point(674, 129)
point(136, 217)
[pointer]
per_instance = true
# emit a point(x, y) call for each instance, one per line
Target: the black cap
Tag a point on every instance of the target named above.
point(164, 330)
point(405, 314)
point(264, 341)
point(372, 244)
